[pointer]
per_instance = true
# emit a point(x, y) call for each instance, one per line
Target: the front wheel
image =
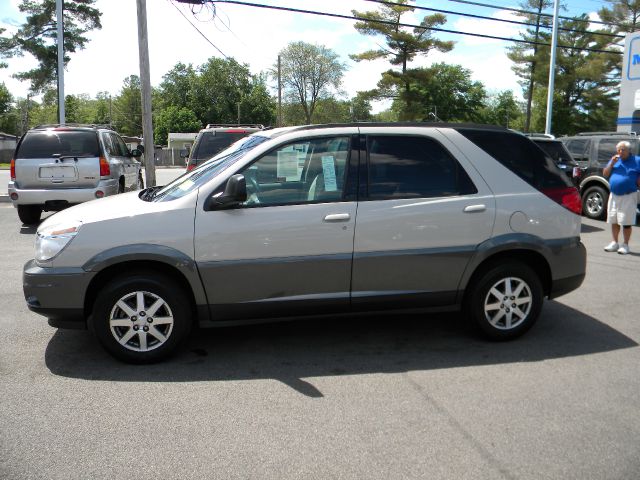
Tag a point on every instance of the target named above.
point(594, 203)
point(141, 318)
point(505, 301)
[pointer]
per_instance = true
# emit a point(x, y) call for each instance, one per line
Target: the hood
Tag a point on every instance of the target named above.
point(116, 206)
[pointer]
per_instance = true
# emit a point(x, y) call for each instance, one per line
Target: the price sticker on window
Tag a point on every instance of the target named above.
point(329, 173)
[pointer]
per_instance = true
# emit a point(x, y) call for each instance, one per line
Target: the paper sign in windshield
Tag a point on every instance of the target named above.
point(329, 173)
point(288, 165)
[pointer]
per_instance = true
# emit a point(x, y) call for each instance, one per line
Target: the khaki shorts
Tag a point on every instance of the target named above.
point(621, 209)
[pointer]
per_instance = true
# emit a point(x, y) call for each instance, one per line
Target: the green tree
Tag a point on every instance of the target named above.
point(127, 108)
point(177, 86)
point(309, 73)
point(624, 13)
point(174, 119)
point(442, 92)
point(8, 113)
point(503, 109)
point(102, 111)
point(402, 45)
point(525, 56)
point(37, 37)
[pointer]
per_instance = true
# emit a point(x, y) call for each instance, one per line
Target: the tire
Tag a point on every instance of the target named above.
point(121, 185)
point(594, 203)
point(488, 311)
point(140, 181)
point(122, 321)
point(29, 214)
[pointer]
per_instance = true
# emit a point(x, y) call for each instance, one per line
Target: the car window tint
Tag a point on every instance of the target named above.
point(119, 145)
point(213, 142)
point(51, 142)
point(556, 150)
point(521, 156)
point(578, 146)
point(310, 170)
point(607, 149)
point(407, 167)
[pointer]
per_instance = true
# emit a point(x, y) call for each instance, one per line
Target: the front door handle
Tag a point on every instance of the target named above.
point(474, 208)
point(337, 217)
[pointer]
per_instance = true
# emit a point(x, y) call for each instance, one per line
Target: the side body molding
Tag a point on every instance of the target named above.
point(150, 252)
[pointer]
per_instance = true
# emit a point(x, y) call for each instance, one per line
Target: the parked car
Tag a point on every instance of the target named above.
point(55, 166)
point(558, 153)
point(318, 220)
point(593, 151)
point(215, 138)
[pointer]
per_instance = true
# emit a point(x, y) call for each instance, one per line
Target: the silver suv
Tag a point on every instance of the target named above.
point(318, 220)
point(56, 166)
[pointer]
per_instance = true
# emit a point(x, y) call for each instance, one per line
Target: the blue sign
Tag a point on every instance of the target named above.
point(633, 60)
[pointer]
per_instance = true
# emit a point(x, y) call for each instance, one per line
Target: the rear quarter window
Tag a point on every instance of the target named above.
point(49, 143)
point(521, 156)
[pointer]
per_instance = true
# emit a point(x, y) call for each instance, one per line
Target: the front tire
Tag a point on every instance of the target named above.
point(29, 214)
point(141, 318)
point(505, 300)
point(594, 203)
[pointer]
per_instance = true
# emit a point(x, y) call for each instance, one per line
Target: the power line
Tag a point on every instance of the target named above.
point(482, 17)
point(203, 35)
point(386, 22)
point(477, 4)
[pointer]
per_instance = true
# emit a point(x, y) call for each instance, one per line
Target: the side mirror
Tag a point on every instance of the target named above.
point(136, 153)
point(235, 192)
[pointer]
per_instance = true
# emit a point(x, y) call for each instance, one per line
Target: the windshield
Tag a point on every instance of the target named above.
point(213, 142)
point(202, 174)
point(59, 142)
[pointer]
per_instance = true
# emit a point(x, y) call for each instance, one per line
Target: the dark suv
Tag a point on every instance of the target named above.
point(215, 138)
point(557, 151)
point(593, 151)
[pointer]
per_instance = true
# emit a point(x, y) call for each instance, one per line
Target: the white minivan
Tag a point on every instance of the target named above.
point(317, 220)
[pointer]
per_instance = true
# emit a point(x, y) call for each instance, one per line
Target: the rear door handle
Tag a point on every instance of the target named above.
point(474, 208)
point(337, 217)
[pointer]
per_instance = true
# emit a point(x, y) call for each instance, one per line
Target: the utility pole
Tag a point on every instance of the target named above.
point(552, 66)
point(145, 86)
point(60, 39)
point(527, 121)
point(279, 119)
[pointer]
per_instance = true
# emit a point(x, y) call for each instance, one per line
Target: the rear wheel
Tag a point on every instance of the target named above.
point(29, 214)
point(141, 318)
point(140, 181)
point(594, 203)
point(505, 301)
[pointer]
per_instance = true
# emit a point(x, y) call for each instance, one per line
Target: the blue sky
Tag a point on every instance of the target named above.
point(255, 36)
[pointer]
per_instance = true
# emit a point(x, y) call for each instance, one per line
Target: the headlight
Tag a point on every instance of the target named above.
point(52, 239)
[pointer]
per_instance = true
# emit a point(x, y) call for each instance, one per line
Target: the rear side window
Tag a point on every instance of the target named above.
point(52, 142)
point(521, 156)
point(211, 143)
point(607, 149)
point(413, 167)
point(556, 150)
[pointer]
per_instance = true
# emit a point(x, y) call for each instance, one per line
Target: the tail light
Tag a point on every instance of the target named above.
point(105, 170)
point(13, 169)
point(568, 197)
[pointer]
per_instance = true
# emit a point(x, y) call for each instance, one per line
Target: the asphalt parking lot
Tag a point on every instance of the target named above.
point(394, 397)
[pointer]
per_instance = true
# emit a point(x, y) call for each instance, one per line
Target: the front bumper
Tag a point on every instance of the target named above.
point(56, 293)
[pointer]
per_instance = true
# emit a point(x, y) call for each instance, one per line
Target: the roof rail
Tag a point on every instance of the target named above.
point(235, 125)
point(539, 135)
point(621, 134)
point(86, 125)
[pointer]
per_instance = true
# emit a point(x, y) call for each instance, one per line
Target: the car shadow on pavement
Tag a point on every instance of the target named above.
point(584, 228)
point(292, 351)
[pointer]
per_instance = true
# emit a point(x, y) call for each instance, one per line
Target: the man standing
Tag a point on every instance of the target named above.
point(623, 172)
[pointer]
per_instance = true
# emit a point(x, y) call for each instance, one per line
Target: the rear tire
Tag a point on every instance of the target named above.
point(140, 181)
point(29, 214)
point(594, 203)
point(141, 318)
point(505, 300)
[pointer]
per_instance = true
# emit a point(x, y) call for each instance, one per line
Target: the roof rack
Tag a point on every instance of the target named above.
point(86, 125)
point(235, 125)
point(539, 135)
point(621, 134)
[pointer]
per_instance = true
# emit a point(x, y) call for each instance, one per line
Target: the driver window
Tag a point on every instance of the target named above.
point(312, 170)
